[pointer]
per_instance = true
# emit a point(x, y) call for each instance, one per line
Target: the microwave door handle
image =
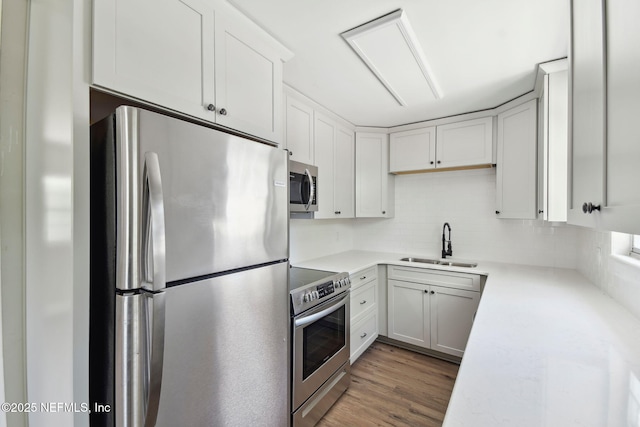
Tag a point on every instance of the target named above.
point(319, 315)
point(311, 189)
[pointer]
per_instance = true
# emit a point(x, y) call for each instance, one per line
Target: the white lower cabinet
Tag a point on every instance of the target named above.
point(432, 309)
point(364, 310)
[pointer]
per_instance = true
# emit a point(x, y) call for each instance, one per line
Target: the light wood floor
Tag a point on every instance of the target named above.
point(391, 386)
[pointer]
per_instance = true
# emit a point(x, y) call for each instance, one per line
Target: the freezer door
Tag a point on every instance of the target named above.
point(225, 197)
point(227, 351)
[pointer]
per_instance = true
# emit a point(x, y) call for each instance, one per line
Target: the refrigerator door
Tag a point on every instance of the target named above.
point(227, 351)
point(225, 197)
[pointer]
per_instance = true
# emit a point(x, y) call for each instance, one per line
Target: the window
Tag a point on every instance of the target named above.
point(635, 245)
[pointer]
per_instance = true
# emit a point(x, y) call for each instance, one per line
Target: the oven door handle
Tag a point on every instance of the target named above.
point(319, 315)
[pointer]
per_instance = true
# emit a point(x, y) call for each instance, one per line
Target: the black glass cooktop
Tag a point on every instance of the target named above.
point(299, 277)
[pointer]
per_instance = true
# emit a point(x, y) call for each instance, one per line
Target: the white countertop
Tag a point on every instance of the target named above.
point(547, 348)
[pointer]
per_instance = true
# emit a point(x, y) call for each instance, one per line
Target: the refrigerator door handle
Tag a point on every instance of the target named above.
point(156, 356)
point(153, 248)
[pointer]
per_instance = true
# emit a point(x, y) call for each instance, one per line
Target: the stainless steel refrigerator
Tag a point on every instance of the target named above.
point(189, 261)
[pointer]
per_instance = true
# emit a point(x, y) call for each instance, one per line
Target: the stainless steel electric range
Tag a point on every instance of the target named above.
point(320, 342)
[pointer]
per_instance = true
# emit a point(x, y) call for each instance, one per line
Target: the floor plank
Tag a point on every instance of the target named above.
point(391, 386)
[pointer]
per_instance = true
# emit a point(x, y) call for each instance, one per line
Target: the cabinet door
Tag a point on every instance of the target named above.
point(516, 175)
point(622, 211)
point(160, 51)
point(587, 110)
point(299, 130)
point(465, 143)
point(248, 76)
point(556, 140)
point(408, 312)
point(412, 150)
point(452, 314)
point(324, 130)
point(374, 185)
point(344, 173)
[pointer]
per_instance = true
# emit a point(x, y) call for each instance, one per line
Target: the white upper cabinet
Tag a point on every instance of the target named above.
point(588, 114)
point(605, 145)
point(465, 143)
point(299, 130)
point(248, 77)
point(344, 173)
point(516, 169)
point(553, 137)
point(190, 57)
point(454, 145)
point(334, 155)
point(412, 150)
point(374, 185)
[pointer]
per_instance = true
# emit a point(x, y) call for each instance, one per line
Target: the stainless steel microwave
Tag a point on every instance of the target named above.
point(303, 186)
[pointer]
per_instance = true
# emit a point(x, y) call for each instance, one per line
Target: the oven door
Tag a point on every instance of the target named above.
point(320, 346)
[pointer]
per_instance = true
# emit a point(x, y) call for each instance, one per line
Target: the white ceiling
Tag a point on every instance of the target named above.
point(482, 52)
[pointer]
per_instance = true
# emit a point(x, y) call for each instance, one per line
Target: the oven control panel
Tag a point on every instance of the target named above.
point(309, 296)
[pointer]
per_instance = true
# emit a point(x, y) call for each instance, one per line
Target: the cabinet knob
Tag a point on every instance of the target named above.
point(497, 212)
point(426, 291)
point(291, 153)
point(222, 112)
point(363, 277)
point(540, 211)
point(433, 292)
point(590, 207)
point(439, 162)
point(211, 107)
point(431, 162)
point(384, 212)
point(337, 212)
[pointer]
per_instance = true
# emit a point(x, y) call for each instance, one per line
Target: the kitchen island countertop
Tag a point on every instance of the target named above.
point(547, 348)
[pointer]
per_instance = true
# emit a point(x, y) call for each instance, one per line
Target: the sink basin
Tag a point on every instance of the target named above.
point(458, 264)
point(441, 262)
point(421, 260)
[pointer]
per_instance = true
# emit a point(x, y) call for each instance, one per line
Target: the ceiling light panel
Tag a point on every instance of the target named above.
point(392, 52)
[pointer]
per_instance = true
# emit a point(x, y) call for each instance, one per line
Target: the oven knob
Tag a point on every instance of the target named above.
point(337, 283)
point(316, 295)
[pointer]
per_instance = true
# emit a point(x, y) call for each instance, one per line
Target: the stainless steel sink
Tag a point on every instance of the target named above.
point(421, 260)
point(441, 262)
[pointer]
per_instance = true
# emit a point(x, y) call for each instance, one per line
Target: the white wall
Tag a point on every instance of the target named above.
point(466, 200)
point(12, 70)
point(617, 276)
point(424, 202)
point(319, 237)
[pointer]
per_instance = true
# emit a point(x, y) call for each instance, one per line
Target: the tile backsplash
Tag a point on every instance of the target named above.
point(424, 202)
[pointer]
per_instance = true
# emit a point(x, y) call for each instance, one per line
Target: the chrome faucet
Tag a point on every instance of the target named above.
point(448, 251)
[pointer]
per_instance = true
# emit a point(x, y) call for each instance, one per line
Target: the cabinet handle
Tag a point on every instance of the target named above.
point(222, 112)
point(211, 107)
point(337, 212)
point(590, 207)
point(363, 335)
point(363, 277)
point(364, 301)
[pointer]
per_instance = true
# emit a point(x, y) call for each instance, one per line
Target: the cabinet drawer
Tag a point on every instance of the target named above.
point(449, 279)
point(363, 333)
point(363, 276)
point(363, 299)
